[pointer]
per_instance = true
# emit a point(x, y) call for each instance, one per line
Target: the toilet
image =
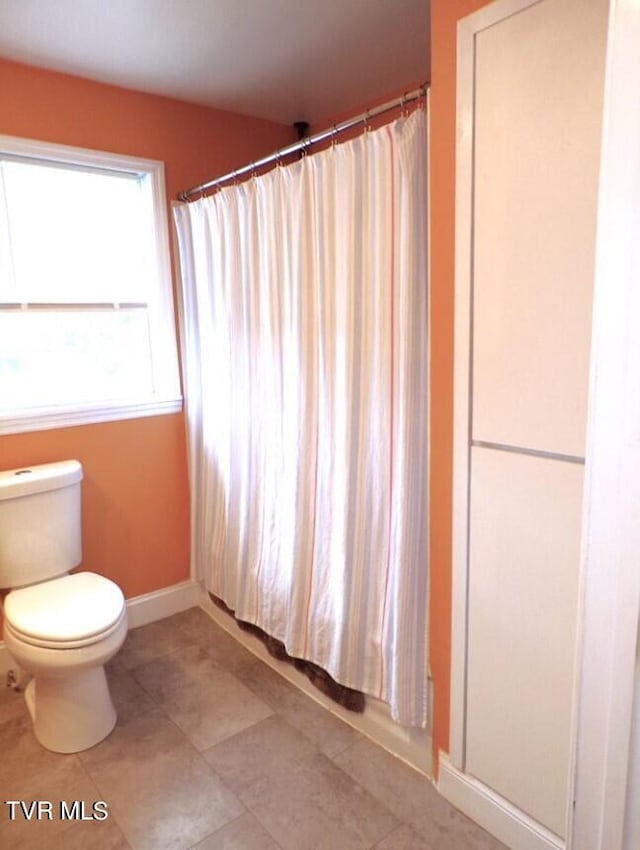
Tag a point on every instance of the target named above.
point(60, 628)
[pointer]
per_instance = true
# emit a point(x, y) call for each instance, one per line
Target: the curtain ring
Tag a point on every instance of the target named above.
point(334, 133)
point(403, 104)
point(422, 97)
point(367, 121)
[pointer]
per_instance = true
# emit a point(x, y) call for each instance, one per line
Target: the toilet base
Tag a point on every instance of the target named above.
point(71, 713)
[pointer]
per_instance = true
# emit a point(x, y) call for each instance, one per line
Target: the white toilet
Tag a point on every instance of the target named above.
point(59, 628)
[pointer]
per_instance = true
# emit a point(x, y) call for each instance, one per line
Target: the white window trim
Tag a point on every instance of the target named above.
point(164, 353)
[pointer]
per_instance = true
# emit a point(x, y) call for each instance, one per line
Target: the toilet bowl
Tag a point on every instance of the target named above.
point(60, 628)
point(63, 632)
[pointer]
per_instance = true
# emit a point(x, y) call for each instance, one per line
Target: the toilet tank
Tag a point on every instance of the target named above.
point(40, 522)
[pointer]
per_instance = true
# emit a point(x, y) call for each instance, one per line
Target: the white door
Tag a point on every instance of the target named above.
point(530, 107)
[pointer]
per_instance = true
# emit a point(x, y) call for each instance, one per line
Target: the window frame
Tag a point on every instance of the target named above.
point(167, 397)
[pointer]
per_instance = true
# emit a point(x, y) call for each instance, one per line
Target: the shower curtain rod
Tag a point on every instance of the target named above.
point(305, 143)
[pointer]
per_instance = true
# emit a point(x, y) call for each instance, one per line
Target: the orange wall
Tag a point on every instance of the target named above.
point(135, 497)
point(444, 17)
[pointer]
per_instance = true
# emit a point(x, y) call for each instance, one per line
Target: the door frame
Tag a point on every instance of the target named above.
point(611, 529)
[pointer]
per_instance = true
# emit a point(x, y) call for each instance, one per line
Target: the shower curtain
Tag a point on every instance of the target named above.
point(304, 324)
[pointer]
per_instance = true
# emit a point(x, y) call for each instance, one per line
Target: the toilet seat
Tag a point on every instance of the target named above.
point(65, 644)
point(65, 613)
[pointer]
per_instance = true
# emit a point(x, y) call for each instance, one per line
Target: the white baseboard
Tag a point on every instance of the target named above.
point(162, 603)
point(412, 746)
point(492, 812)
point(140, 611)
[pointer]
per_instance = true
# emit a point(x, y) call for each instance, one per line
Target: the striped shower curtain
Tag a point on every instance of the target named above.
point(305, 365)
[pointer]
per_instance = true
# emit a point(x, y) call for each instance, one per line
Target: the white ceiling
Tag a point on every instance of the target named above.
point(286, 60)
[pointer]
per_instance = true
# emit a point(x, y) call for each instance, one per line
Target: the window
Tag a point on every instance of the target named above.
point(87, 329)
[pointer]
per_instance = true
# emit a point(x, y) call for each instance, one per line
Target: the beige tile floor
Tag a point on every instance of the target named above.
point(214, 750)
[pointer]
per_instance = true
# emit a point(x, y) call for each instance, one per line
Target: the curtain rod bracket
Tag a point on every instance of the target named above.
point(302, 129)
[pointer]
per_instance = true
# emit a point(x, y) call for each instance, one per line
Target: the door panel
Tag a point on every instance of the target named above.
point(539, 88)
point(524, 557)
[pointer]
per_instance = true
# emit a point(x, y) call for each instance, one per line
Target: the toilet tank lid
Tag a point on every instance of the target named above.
point(26, 480)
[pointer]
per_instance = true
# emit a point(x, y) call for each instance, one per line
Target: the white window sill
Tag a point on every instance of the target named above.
point(47, 418)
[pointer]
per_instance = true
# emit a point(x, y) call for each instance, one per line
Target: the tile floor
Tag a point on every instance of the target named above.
point(214, 750)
